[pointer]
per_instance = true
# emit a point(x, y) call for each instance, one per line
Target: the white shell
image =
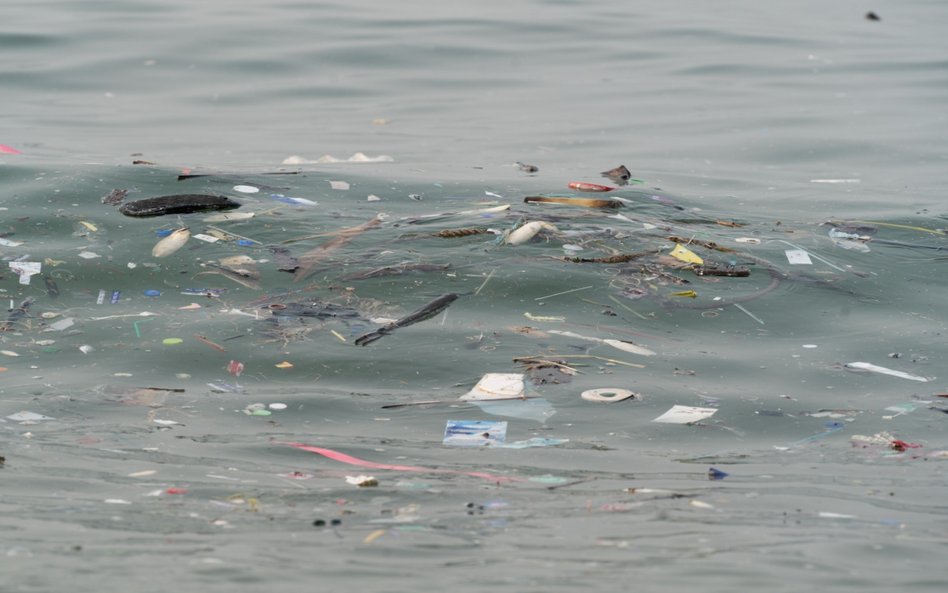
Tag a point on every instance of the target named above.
point(171, 243)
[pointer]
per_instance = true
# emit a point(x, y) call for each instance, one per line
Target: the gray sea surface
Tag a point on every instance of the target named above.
point(197, 415)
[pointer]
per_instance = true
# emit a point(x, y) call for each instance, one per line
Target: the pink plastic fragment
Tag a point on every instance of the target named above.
point(8, 149)
point(344, 458)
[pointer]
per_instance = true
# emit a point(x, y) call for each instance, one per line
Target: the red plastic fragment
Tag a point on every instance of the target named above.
point(582, 186)
point(235, 368)
point(175, 491)
point(902, 445)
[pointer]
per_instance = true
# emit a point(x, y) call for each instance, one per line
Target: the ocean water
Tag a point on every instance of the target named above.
point(198, 419)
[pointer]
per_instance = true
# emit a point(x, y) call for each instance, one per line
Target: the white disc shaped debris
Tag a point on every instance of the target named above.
point(606, 395)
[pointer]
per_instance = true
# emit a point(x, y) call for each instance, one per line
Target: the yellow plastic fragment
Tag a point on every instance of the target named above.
point(550, 318)
point(682, 253)
point(284, 365)
point(374, 536)
point(686, 293)
point(88, 225)
point(338, 335)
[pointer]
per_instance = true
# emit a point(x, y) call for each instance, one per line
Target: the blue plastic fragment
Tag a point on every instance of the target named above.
point(164, 232)
point(151, 292)
point(474, 433)
point(245, 242)
point(716, 474)
point(116, 295)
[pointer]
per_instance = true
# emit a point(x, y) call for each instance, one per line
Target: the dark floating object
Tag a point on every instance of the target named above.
point(619, 175)
point(871, 16)
point(527, 168)
point(177, 204)
point(716, 474)
point(427, 312)
point(115, 196)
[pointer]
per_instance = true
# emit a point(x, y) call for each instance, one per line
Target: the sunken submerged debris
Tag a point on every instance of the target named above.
point(427, 312)
point(177, 204)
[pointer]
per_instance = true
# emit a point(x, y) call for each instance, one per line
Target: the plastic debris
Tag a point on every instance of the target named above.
point(355, 158)
point(716, 474)
point(527, 168)
point(527, 231)
point(362, 481)
point(28, 417)
point(582, 202)
point(474, 433)
point(682, 253)
point(246, 189)
point(235, 368)
point(590, 187)
point(229, 216)
point(905, 408)
point(173, 242)
point(497, 386)
point(623, 345)
point(530, 443)
point(25, 269)
point(9, 243)
point(865, 366)
point(607, 395)
point(8, 149)
point(257, 410)
point(537, 409)
point(349, 459)
point(798, 257)
point(685, 415)
point(206, 238)
point(341, 185)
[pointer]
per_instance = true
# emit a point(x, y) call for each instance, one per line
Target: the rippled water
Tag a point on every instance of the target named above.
point(748, 128)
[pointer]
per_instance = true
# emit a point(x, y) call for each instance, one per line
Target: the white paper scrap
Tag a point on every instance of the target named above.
point(25, 269)
point(685, 415)
point(206, 238)
point(9, 243)
point(798, 256)
point(339, 184)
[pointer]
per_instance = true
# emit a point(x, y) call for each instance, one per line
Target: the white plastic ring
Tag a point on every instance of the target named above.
point(606, 395)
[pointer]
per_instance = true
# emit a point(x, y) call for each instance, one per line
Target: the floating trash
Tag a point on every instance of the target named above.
point(497, 386)
point(872, 368)
point(604, 395)
point(474, 433)
point(685, 415)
